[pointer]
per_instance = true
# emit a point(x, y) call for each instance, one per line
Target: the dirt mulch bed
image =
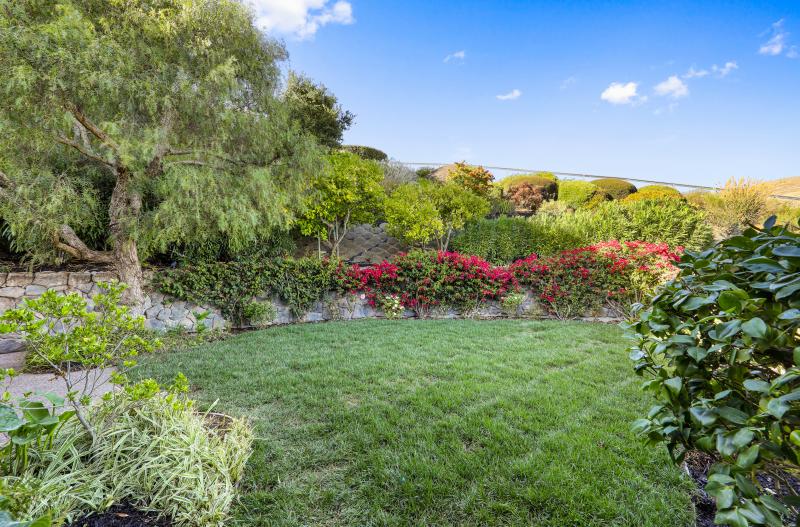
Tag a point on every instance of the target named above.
point(122, 516)
point(697, 464)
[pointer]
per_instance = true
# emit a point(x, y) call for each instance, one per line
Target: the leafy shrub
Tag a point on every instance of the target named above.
point(543, 180)
point(576, 193)
point(617, 188)
point(420, 213)
point(232, 286)
point(721, 348)
point(503, 240)
point(365, 152)
point(392, 306)
point(511, 303)
point(500, 240)
point(473, 178)
point(425, 172)
point(673, 222)
point(609, 274)
point(260, 313)
point(526, 196)
point(655, 192)
point(426, 279)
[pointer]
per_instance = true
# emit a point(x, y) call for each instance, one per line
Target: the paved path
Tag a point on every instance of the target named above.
point(46, 382)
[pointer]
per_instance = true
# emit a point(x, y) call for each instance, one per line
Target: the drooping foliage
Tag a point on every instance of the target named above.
point(167, 113)
point(720, 347)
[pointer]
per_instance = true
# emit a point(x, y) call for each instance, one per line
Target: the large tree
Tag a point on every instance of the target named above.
point(317, 110)
point(164, 112)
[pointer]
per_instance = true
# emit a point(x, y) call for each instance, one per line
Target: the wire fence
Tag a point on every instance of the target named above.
point(510, 170)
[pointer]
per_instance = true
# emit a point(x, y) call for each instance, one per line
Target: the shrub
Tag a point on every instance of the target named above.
point(473, 178)
point(526, 196)
point(426, 279)
point(260, 313)
point(392, 306)
point(419, 213)
point(617, 188)
point(543, 180)
point(232, 286)
point(365, 152)
point(655, 192)
point(396, 174)
point(609, 274)
point(425, 172)
point(500, 240)
point(721, 349)
point(740, 203)
point(576, 193)
point(672, 222)
point(511, 303)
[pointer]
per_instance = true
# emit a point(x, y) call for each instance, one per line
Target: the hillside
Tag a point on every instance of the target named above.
point(789, 186)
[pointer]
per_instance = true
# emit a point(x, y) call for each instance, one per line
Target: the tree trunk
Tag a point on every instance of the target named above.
point(123, 212)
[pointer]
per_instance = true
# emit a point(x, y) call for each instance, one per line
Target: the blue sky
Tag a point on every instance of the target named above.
point(691, 92)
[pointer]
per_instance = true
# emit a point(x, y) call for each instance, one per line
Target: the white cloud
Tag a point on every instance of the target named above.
point(693, 73)
point(618, 93)
point(673, 87)
point(777, 42)
point(300, 18)
point(569, 82)
point(724, 70)
point(510, 96)
point(456, 56)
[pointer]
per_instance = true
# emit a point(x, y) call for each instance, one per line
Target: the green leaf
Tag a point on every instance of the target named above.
point(731, 517)
point(746, 459)
point(732, 415)
point(790, 314)
point(790, 251)
point(34, 410)
point(756, 385)
point(9, 420)
point(743, 437)
point(704, 416)
point(725, 330)
point(674, 385)
point(755, 327)
point(697, 353)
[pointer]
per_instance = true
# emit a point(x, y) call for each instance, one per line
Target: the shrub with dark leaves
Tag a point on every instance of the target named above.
point(720, 346)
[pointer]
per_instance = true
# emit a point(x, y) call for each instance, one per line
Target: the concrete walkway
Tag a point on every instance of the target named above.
point(46, 382)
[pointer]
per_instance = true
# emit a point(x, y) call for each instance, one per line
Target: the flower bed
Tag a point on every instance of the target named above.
point(569, 284)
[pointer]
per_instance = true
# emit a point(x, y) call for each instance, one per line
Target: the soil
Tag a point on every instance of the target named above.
point(122, 516)
point(697, 464)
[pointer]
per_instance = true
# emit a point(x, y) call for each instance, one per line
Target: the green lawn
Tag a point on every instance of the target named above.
point(438, 423)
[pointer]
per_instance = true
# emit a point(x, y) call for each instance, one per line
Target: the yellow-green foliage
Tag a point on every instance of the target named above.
point(577, 193)
point(473, 178)
point(655, 192)
point(617, 188)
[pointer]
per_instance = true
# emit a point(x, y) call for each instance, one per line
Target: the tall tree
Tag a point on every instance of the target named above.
point(174, 102)
point(317, 110)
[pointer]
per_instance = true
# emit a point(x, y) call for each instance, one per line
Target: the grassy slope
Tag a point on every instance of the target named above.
point(438, 423)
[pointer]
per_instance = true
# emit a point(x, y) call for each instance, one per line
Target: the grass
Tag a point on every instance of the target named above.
point(433, 423)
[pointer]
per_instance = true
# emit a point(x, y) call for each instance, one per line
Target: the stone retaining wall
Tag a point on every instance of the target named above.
point(163, 313)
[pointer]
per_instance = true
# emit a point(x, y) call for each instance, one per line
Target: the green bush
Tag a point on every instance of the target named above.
point(260, 313)
point(721, 348)
point(543, 180)
point(655, 192)
point(232, 286)
point(365, 152)
point(500, 241)
point(576, 193)
point(617, 188)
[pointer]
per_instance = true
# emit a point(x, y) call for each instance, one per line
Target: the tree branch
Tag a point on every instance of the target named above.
point(69, 242)
point(85, 151)
point(92, 128)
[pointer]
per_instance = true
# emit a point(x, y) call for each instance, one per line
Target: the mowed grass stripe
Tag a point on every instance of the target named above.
point(446, 422)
